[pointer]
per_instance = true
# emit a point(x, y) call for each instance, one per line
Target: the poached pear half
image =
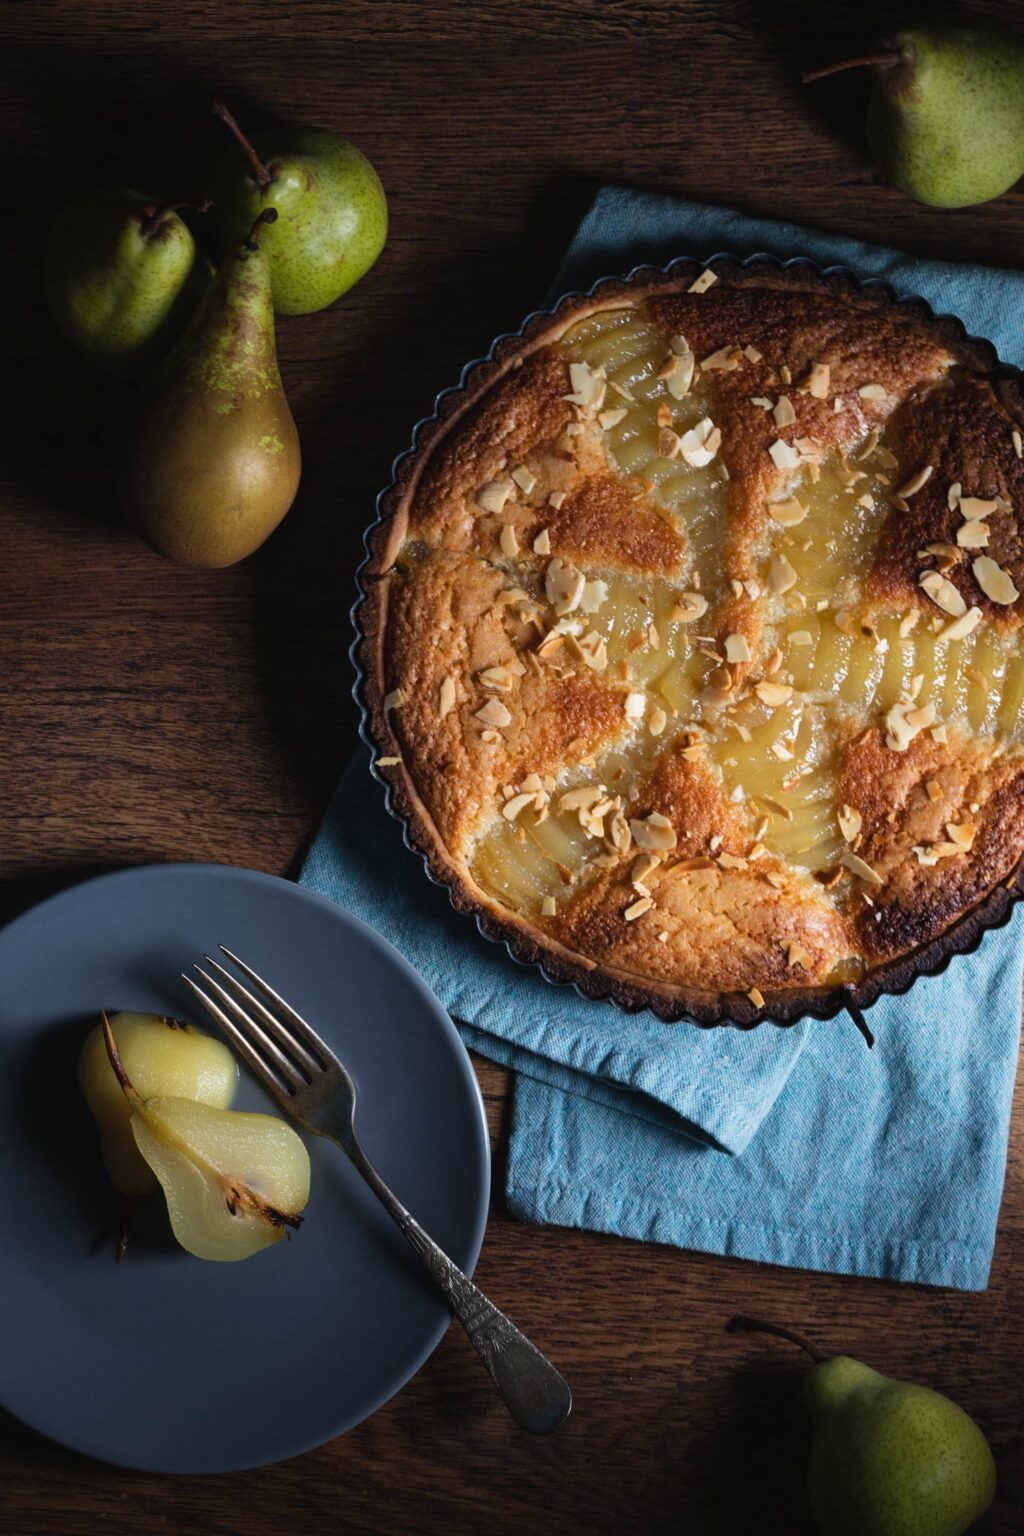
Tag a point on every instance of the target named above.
point(214, 462)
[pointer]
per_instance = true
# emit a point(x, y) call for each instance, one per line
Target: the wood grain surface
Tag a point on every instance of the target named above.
point(156, 713)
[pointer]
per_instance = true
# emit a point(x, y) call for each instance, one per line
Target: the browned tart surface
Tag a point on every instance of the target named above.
point(693, 638)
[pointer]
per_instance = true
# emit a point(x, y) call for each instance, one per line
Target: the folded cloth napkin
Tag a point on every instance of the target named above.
point(887, 1162)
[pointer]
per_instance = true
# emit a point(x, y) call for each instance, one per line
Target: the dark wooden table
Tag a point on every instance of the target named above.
point(157, 713)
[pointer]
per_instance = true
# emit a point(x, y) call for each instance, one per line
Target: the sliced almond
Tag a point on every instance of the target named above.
point(493, 496)
point(394, 700)
point(494, 713)
point(788, 513)
point(973, 534)
point(996, 583)
point(704, 282)
point(387, 762)
point(858, 867)
point(819, 381)
point(736, 648)
point(669, 443)
point(797, 955)
point(915, 482)
point(700, 444)
point(781, 575)
point(801, 637)
point(657, 720)
point(542, 543)
point(784, 455)
point(756, 997)
point(943, 593)
point(850, 822)
point(588, 386)
point(556, 499)
point(1018, 443)
point(524, 479)
point(726, 359)
point(508, 542)
point(690, 606)
point(961, 627)
point(963, 835)
point(643, 867)
point(774, 694)
point(653, 833)
point(563, 585)
point(594, 595)
point(608, 419)
point(446, 701)
point(638, 908)
point(973, 507)
point(493, 677)
point(872, 392)
point(512, 807)
point(548, 907)
point(635, 705)
point(680, 379)
point(783, 412)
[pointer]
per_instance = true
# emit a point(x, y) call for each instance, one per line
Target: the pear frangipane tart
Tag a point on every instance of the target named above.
point(692, 639)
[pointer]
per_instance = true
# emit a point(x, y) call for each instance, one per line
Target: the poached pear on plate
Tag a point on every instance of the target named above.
point(123, 278)
point(213, 463)
point(332, 212)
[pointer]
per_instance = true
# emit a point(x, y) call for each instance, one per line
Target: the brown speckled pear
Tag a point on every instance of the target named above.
point(215, 462)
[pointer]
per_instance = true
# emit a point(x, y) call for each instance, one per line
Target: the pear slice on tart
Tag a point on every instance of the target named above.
point(234, 1182)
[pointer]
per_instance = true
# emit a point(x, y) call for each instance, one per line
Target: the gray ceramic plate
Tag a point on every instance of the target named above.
point(167, 1363)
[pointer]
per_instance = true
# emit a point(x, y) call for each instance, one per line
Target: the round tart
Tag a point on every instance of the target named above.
point(691, 641)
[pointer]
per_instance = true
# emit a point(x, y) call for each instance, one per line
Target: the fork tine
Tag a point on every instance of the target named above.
point(308, 1036)
point(272, 1026)
point(279, 1084)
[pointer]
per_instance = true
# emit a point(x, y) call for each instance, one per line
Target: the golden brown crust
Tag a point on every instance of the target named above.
point(726, 917)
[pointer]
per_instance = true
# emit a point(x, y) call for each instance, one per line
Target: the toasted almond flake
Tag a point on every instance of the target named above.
point(796, 954)
point(730, 861)
point(654, 833)
point(939, 734)
point(762, 401)
point(933, 790)
point(943, 593)
point(1018, 443)
point(548, 906)
point(926, 856)
point(680, 378)
point(736, 648)
point(781, 575)
point(726, 359)
point(962, 835)
point(819, 381)
point(756, 997)
point(494, 713)
point(704, 282)
point(918, 719)
point(953, 495)
point(622, 392)
point(783, 412)
point(850, 822)
point(638, 908)
point(542, 543)
point(690, 606)
point(857, 866)
point(446, 700)
point(511, 809)
point(643, 867)
point(524, 479)
point(788, 513)
point(972, 507)
point(609, 419)
point(493, 677)
point(773, 662)
point(588, 386)
point(664, 416)
point(556, 499)
point(962, 627)
point(635, 704)
point(784, 455)
point(915, 482)
point(594, 651)
point(387, 762)
point(996, 583)
point(973, 534)
point(699, 446)
point(872, 392)
point(774, 694)
point(394, 700)
point(563, 585)
point(657, 720)
point(751, 354)
point(669, 443)
point(493, 496)
point(801, 637)
point(508, 541)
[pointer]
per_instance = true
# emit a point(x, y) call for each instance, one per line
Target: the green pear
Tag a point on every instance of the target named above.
point(233, 1181)
point(946, 114)
point(214, 463)
point(123, 278)
point(889, 1458)
point(333, 217)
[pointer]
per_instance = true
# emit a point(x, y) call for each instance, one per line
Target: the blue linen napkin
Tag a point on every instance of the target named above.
point(886, 1163)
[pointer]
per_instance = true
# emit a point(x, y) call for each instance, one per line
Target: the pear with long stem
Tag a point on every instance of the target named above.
point(234, 1182)
point(889, 1458)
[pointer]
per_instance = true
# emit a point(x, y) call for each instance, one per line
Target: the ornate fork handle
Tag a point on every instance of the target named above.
point(537, 1397)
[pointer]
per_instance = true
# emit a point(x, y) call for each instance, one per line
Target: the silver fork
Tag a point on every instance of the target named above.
point(315, 1089)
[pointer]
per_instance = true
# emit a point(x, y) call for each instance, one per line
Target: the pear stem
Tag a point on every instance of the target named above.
point(251, 241)
point(887, 60)
point(115, 1060)
point(758, 1325)
point(260, 172)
